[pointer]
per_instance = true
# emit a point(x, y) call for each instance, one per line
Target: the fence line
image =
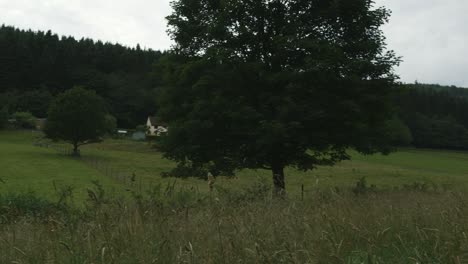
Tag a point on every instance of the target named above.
point(126, 177)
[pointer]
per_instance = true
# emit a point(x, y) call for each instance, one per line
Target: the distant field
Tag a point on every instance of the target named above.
point(24, 167)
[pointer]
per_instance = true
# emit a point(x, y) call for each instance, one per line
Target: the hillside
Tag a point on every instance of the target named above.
point(436, 115)
point(35, 66)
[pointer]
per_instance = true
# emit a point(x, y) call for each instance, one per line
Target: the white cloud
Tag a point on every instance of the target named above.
point(126, 22)
point(430, 35)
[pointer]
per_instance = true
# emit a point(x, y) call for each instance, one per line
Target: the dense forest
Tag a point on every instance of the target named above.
point(36, 66)
point(436, 115)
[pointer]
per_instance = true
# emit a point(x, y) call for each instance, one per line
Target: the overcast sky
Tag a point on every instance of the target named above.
point(430, 35)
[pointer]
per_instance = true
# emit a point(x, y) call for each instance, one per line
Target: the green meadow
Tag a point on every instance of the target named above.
point(28, 168)
point(135, 216)
point(120, 165)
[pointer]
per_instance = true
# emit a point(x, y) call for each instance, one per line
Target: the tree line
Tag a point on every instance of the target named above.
point(36, 66)
point(436, 115)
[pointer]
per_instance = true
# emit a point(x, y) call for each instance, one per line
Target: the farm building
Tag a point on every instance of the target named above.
point(40, 123)
point(155, 127)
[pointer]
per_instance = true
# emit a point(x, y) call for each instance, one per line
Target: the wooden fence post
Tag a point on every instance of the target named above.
point(302, 192)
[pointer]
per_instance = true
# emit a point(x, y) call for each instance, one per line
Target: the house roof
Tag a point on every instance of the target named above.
point(155, 121)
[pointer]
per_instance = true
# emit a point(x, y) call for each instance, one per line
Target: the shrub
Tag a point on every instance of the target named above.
point(17, 206)
point(24, 120)
point(398, 132)
point(111, 124)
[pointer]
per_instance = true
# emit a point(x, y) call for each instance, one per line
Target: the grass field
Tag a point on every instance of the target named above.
point(25, 167)
point(406, 166)
point(239, 224)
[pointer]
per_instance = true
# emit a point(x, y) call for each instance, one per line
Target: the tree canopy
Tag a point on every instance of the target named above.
point(270, 84)
point(77, 116)
point(126, 79)
point(35, 66)
point(3, 117)
point(437, 116)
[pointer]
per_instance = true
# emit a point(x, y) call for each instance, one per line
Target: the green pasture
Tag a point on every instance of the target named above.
point(27, 168)
point(123, 165)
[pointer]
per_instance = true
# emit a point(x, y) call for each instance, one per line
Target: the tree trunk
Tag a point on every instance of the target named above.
point(278, 181)
point(76, 151)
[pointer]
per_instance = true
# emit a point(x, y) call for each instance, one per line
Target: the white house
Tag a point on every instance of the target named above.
point(155, 127)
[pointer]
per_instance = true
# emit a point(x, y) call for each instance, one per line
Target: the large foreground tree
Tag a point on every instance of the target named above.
point(275, 83)
point(77, 116)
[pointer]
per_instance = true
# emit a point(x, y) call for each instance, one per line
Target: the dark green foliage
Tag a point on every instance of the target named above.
point(438, 132)
point(77, 116)
point(3, 117)
point(35, 101)
point(398, 132)
point(270, 84)
point(96, 196)
point(24, 120)
point(362, 187)
point(430, 101)
point(36, 65)
point(436, 115)
point(111, 124)
point(8, 100)
point(28, 205)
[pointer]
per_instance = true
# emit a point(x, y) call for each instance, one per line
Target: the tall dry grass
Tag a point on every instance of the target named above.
point(170, 225)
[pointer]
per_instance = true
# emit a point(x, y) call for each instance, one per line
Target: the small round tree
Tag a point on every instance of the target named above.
point(77, 116)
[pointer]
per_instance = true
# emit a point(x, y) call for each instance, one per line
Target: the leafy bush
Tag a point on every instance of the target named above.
point(398, 132)
point(24, 120)
point(111, 124)
point(362, 187)
point(16, 206)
